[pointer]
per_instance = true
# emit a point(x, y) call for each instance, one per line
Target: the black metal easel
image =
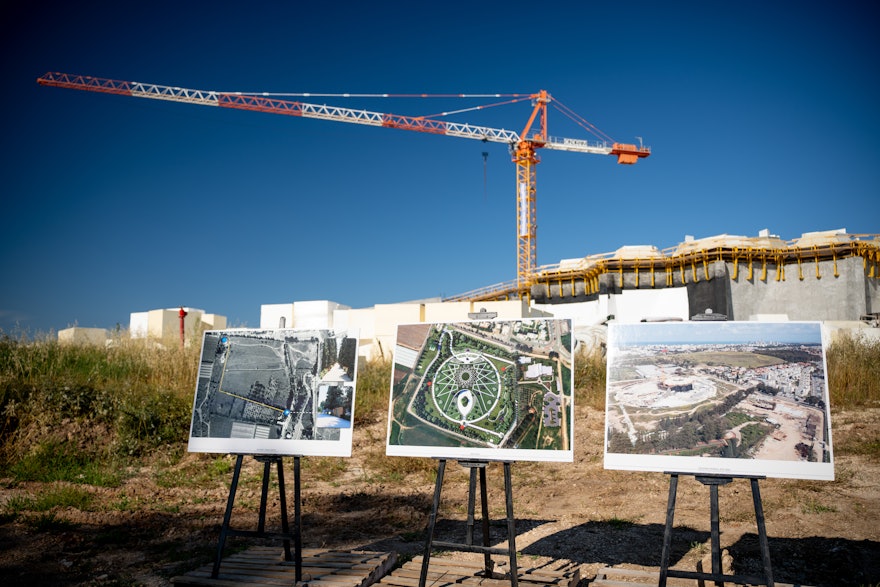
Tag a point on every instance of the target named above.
point(285, 535)
point(717, 575)
point(468, 545)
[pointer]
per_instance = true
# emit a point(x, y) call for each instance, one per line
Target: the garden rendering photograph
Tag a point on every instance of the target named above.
point(496, 390)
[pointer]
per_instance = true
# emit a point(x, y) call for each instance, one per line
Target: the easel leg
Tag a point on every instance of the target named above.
point(264, 496)
point(426, 559)
point(469, 546)
point(762, 533)
point(717, 575)
point(716, 533)
point(297, 517)
point(511, 526)
point(224, 529)
point(472, 492)
point(282, 501)
point(484, 505)
point(484, 502)
point(667, 532)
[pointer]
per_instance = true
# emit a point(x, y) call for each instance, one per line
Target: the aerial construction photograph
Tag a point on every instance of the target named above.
point(743, 398)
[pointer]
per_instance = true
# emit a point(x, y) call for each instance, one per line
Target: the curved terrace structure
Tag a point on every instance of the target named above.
point(833, 275)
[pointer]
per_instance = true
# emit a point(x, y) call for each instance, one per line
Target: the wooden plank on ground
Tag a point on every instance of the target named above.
point(447, 572)
point(618, 577)
point(265, 567)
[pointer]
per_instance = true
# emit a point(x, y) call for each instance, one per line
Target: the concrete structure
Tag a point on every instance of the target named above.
point(80, 335)
point(828, 276)
point(165, 323)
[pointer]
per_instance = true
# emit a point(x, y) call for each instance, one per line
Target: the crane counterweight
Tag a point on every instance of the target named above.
point(629, 154)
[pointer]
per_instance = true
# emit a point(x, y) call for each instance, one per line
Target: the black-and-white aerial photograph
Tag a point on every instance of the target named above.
point(283, 391)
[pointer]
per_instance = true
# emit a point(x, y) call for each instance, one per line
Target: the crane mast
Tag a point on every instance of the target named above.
point(526, 160)
point(524, 146)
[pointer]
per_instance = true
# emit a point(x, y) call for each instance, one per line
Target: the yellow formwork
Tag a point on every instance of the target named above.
point(689, 267)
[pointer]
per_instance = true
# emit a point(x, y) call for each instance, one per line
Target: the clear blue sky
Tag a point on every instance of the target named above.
point(759, 114)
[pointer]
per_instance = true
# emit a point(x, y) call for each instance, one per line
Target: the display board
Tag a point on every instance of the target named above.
point(726, 398)
point(275, 392)
point(483, 390)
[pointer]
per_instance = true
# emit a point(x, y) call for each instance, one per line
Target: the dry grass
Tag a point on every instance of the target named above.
point(854, 372)
point(126, 398)
point(373, 390)
point(589, 378)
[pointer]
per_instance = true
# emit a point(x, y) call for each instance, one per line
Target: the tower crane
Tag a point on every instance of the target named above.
point(523, 146)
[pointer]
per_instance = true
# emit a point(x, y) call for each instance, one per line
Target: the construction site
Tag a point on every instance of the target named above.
point(340, 356)
point(829, 276)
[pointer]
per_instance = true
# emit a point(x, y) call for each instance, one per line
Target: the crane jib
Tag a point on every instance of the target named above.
point(366, 117)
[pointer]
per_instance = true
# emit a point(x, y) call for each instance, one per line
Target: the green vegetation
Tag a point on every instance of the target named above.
point(869, 447)
point(56, 496)
point(697, 433)
point(752, 435)
point(616, 523)
point(385, 469)
point(812, 506)
point(208, 468)
point(51, 460)
point(731, 358)
point(323, 468)
point(736, 418)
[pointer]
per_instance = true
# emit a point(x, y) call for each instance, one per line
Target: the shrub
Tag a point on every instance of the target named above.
point(151, 419)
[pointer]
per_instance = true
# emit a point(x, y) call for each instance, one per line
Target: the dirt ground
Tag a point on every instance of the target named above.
point(820, 533)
